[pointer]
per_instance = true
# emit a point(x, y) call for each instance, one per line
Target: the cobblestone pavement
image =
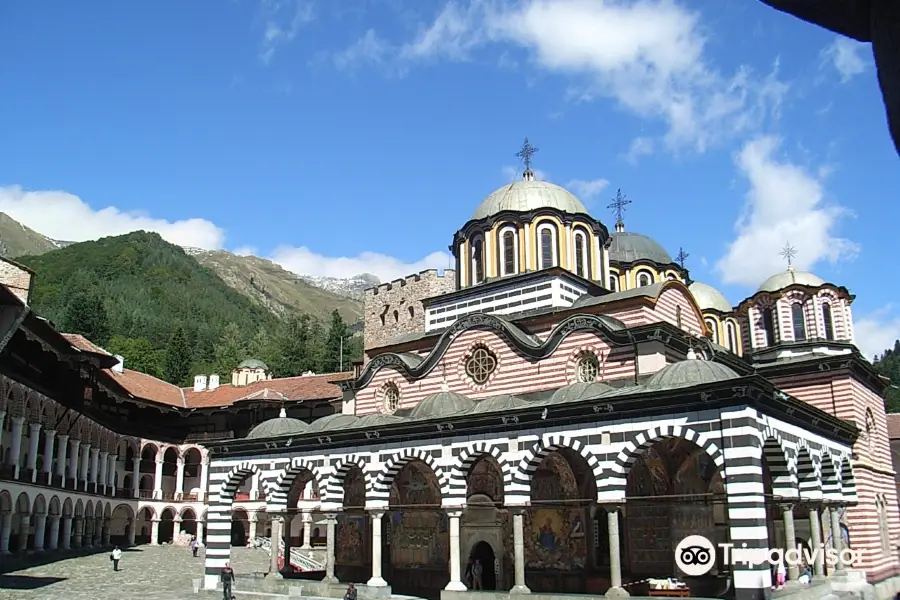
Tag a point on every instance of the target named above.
point(146, 572)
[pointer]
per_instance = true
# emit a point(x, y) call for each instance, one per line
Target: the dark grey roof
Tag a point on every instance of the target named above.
point(332, 422)
point(578, 391)
point(498, 403)
point(690, 372)
point(645, 291)
point(441, 404)
point(375, 419)
point(279, 426)
point(627, 246)
point(252, 363)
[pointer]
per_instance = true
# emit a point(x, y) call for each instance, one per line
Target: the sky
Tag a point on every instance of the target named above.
point(338, 137)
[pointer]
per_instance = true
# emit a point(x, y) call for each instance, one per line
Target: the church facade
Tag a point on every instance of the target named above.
point(565, 407)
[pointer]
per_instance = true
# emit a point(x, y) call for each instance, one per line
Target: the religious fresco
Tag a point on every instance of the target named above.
point(417, 537)
point(486, 478)
point(354, 489)
point(555, 537)
point(351, 547)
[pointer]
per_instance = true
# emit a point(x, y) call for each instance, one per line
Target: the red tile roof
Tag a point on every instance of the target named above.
point(893, 426)
point(147, 387)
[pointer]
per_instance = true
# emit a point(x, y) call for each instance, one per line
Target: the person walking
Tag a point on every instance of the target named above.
point(227, 577)
point(194, 546)
point(350, 594)
point(477, 572)
point(115, 557)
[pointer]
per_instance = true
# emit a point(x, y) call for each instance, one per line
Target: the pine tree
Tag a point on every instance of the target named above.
point(230, 350)
point(86, 315)
point(177, 366)
point(292, 347)
point(332, 359)
point(139, 354)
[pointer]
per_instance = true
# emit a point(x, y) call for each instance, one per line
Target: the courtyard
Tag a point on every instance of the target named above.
point(146, 572)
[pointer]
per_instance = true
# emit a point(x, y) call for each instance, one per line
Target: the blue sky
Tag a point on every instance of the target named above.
point(357, 135)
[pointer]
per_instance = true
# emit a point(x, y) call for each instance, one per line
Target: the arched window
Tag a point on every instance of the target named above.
point(412, 312)
point(508, 251)
point(587, 367)
point(582, 256)
point(678, 316)
point(829, 322)
point(390, 397)
point(547, 245)
point(731, 331)
point(768, 323)
point(798, 318)
point(713, 330)
point(477, 261)
point(396, 316)
point(613, 282)
point(644, 278)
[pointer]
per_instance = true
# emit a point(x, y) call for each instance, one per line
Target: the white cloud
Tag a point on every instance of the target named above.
point(370, 48)
point(587, 190)
point(785, 202)
point(640, 147)
point(64, 216)
point(283, 20)
point(877, 331)
point(648, 55)
point(846, 57)
point(304, 261)
point(246, 251)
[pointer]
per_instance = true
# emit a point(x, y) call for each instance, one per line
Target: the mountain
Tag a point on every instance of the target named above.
point(888, 364)
point(278, 289)
point(352, 287)
point(18, 240)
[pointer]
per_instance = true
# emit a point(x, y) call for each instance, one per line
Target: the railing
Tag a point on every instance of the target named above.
point(206, 436)
point(298, 558)
point(146, 494)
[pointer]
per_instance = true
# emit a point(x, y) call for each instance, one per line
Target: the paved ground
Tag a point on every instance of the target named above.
point(146, 573)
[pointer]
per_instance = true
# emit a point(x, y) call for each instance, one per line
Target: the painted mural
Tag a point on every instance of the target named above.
point(354, 489)
point(351, 547)
point(486, 478)
point(418, 537)
point(555, 537)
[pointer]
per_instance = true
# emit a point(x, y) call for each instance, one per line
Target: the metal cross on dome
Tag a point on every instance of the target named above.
point(526, 152)
point(789, 253)
point(681, 257)
point(618, 206)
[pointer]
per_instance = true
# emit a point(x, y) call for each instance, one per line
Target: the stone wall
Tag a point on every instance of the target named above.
point(395, 308)
point(17, 278)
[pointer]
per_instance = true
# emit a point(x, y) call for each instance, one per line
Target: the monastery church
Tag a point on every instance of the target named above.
point(564, 408)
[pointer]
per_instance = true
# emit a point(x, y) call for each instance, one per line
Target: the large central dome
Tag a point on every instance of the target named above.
point(527, 195)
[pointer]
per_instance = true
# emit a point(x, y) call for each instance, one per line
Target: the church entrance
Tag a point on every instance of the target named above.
point(483, 554)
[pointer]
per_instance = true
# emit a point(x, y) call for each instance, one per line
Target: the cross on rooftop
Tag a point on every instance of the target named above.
point(526, 152)
point(618, 206)
point(789, 253)
point(681, 257)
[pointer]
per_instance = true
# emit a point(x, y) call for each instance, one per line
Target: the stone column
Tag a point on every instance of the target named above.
point(111, 459)
point(615, 560)
point(24, 526)
point(99, 524)
point(201, 526)
point(49, 437)
point(62, 444)
point(40, 530)
point(377, 579)
point(102, 465)
point(54, 532)
point(5, 529)
point(34, 438)
point(104, 532)
point(286, 533)
point(136, 477)
point(85, 463)
point(275, 549)
point(455, 584)
point(87, 537)
point(2, 416)
point(254, 486)
point(204, 478)
point(157, 479)
point(154, 532)
point(519, 551)
point(179, 478)
point(66, 541)
point(815, 542)
point(837, 541)
point(330, 522)
point(73, 460)
point(790, 539)
point(307, 529)
point(95, 465)
point(131, 528)
point(15, 446)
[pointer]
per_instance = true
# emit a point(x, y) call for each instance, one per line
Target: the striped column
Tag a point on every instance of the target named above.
point(745, 499)
point(224, 482)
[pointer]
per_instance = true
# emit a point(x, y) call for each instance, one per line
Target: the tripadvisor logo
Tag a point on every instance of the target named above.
point(695, 555)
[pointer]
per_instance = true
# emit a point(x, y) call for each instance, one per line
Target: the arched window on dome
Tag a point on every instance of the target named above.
point(768, 323)
point(798, 318)
point(644, 278)
point(731, 332)
point(547, 244)
point(613, 282)
point(509, 251)
point(477, 261)
point(582, 255)
point(713, 330)
point(829, 321)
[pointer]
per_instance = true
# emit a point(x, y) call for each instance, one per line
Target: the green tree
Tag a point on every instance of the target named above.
point(139, 354)
point(292, 347)
point(888, 364)
point(230, 350)
point(177, 365)
point(334, 354)
point(85, 314)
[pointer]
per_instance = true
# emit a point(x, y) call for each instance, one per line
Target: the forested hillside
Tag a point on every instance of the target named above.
point(888, 364)
point(141, 297)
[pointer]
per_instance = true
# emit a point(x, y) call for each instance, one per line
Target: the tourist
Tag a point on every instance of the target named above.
point(477, 571)
point(780, 575)
point(468, 574)
point(351, 592)
point(115, 557)
point(194, 546)
point(227, 577)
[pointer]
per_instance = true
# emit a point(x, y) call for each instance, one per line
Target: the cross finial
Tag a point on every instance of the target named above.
point(681, 257)
point(789, 253)
point(618, 207)
point(525, 153)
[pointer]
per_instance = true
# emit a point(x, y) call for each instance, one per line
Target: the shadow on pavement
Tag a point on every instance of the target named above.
point(25, 582)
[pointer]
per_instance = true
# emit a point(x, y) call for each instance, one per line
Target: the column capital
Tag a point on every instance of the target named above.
point(34, 426)
point(50, 432)
point(612, 507)
point(517, 510)
point(786, 506)
point(180, 461)
point(454, 513)
point(376, 512)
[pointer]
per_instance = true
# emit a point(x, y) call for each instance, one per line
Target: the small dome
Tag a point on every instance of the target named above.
point(498, 403)
point(627, 247)
point(708, 297)
point(375, 420)
point(330, 422)
point(578, 391)
point(280, 426)
point(788, 278)
point(523, 196)
point(691, 372)
point(252, 363)
point(441, 404)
